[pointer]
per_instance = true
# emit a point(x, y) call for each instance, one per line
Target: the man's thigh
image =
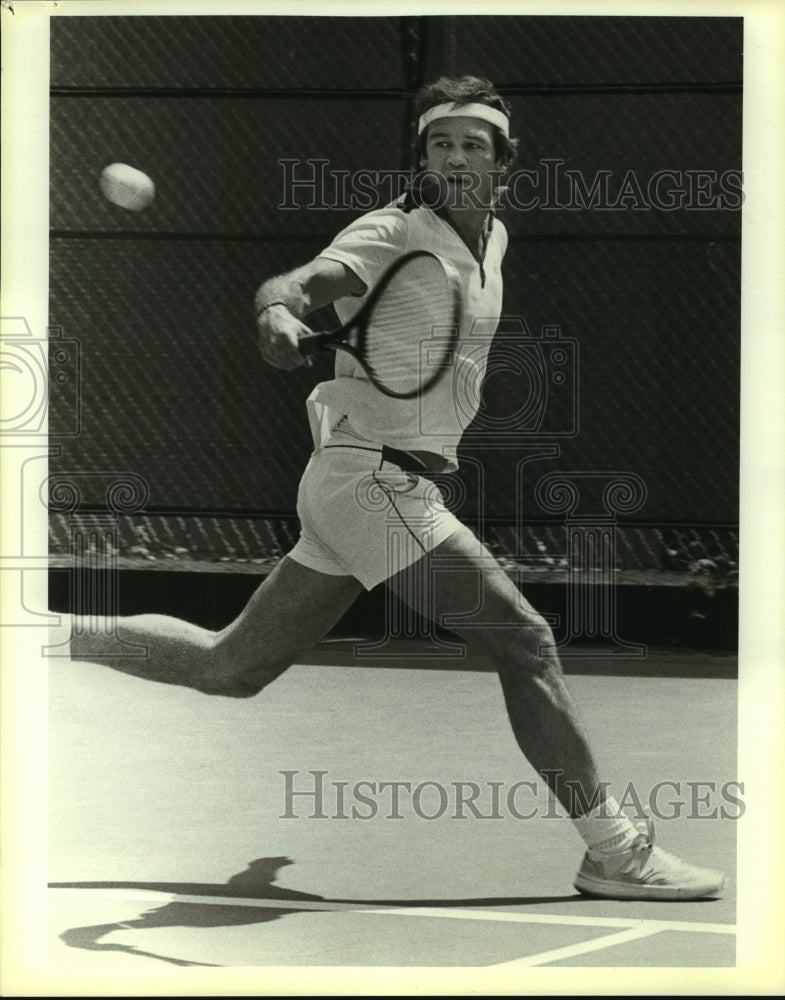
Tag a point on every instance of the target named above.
point(460, 586)
point(288, 614)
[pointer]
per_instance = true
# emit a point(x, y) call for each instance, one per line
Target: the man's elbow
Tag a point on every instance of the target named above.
point(329, 280)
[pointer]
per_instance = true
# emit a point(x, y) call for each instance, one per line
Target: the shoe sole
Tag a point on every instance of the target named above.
point(660, 893)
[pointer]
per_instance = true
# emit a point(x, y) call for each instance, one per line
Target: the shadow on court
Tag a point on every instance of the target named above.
point(256, 882)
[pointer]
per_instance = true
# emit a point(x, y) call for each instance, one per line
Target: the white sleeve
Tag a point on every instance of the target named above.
point(370, 244)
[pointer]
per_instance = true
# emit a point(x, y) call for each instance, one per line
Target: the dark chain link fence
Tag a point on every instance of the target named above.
point(643, 115)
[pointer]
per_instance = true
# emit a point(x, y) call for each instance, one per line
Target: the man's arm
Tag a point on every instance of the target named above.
point(281, 304)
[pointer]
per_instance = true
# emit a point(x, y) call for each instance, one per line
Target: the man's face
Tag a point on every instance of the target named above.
point(462, 151)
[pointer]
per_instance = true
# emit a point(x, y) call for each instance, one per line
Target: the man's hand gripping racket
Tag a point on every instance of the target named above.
point(404, 336)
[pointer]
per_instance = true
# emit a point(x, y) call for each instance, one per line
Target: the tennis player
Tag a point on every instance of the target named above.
point(369, 513)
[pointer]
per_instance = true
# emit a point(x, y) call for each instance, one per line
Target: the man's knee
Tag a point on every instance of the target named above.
point(252, 665)
point(524, 646)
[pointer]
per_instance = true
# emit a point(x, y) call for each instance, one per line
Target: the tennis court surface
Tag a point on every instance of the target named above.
point(178, 837)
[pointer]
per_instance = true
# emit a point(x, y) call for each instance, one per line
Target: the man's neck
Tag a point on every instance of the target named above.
point(468, 224)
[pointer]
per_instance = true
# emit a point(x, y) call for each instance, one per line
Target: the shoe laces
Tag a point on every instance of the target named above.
point(667, 864)
point(640, 852)
point(645, 828)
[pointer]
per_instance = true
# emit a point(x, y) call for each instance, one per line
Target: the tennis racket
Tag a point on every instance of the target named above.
point(405, 335)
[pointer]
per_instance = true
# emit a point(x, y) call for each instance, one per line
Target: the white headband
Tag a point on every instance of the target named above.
point(452, 110)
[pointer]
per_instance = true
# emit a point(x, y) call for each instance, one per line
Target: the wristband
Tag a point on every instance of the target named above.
point(269, 305)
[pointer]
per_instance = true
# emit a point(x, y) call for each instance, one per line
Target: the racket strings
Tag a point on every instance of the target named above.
point(409, 333)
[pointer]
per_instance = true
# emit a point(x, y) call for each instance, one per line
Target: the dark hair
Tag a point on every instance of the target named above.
point(465, 90)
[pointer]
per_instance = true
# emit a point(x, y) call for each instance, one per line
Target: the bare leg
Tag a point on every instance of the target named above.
point(542, 713)
point(291, 611)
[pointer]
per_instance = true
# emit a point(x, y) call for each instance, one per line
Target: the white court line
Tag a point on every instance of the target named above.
point(570, 950)
point(156, 896)
point(550, 918)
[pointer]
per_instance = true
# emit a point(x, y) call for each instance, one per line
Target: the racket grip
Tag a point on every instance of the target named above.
point(314, 343)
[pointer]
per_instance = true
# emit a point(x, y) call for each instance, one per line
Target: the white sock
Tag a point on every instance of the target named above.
point(605, 829)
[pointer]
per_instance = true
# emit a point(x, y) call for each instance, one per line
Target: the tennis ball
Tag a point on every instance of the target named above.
point(127, 187)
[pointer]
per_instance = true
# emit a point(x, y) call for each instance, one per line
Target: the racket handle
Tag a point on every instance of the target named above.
point(314, 343)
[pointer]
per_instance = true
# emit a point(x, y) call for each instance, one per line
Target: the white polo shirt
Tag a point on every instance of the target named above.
point(436, 422)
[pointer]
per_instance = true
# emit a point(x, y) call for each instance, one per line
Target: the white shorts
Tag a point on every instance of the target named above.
point(364, 517)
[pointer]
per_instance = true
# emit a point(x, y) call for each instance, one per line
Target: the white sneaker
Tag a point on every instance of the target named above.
point(645, 872)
